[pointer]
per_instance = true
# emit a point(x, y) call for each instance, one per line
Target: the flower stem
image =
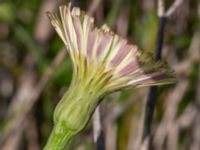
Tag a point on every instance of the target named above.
point(59, 138)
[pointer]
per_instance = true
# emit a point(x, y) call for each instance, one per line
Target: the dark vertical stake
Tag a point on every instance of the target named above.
point(151, 101)
point(160, 37)
point(100, 144)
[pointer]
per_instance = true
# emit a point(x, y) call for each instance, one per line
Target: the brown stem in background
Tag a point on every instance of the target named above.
point(93, 6)
point(195, 143)
point(173, 8)
point(43, 30)
point(31, 134)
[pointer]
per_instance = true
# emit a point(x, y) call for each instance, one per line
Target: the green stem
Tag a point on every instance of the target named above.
point(74, 111)
point(59, 138)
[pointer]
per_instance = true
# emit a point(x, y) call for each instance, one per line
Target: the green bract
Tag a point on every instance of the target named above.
point(103, 62)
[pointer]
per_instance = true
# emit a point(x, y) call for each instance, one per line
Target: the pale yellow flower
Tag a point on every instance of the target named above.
point(103, 62)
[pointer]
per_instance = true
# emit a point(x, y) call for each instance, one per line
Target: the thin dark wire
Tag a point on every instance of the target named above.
point(151, 101)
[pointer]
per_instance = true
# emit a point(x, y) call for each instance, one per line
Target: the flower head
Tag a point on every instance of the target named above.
point(103, 57)
point(103, 62)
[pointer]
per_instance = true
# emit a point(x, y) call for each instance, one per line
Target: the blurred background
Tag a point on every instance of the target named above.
point(35, 71)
